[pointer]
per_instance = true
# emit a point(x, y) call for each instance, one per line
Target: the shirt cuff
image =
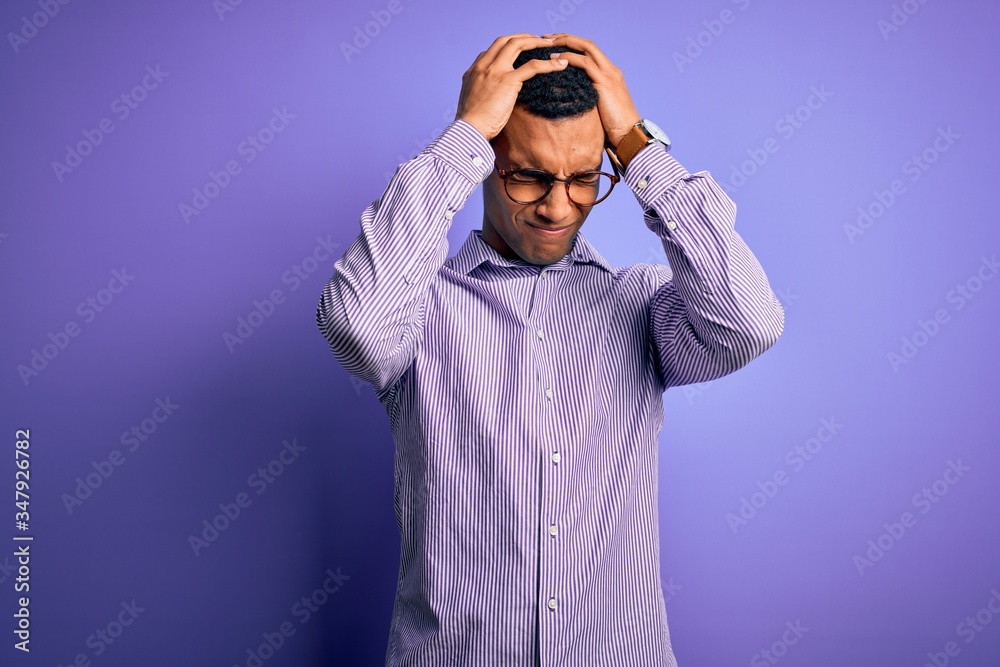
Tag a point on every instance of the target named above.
point(652, 172)
point(464, 148)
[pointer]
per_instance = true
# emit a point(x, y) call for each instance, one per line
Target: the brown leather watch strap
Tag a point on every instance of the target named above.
point(634, 141)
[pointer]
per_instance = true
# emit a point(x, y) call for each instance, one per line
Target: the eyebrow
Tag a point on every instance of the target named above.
point(517, 165)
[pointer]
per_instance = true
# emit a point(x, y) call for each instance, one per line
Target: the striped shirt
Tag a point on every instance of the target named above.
point(526, 402)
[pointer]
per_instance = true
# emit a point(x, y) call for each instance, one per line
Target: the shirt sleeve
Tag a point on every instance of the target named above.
point(713, 310)
point(371, 310)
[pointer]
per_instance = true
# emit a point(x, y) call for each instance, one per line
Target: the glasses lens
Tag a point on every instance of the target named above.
point(590, 187)
point(528, 186)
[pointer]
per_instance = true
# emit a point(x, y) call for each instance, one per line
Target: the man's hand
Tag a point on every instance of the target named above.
point(491, 85)
point(618, 112)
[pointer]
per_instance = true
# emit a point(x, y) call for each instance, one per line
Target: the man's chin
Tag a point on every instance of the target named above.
point(543, 257)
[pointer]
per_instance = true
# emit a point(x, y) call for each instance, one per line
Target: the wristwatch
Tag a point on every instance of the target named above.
point(642, 134)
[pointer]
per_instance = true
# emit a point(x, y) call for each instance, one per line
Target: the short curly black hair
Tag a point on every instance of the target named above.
point(567, 92)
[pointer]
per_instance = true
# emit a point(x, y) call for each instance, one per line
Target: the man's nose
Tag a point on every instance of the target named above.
point(557, 207)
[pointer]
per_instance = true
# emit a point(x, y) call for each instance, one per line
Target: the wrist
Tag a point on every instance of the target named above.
point(615, 138)
point(483, 128)
point(639, 136)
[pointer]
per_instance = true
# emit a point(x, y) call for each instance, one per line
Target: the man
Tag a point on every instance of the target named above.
point(524, 377)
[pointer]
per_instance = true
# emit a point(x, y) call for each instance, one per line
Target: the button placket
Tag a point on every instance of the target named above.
point(541, 342)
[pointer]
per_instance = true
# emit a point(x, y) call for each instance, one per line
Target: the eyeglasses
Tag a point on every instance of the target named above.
point(584, 188)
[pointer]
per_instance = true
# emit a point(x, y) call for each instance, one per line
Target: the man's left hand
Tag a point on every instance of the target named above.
point(618, 112)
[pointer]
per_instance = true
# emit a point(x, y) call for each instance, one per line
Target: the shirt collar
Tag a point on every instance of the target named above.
point(476, 251)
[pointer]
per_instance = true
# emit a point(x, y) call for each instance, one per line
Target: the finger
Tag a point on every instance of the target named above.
point(499, 42)
point(566, 38)
point(586, 63)
point(536, 66)
point(513, 48)
point(584, 45)
point(493, 49)
point(502, 41)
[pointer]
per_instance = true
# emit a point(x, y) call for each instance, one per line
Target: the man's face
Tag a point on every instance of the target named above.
point(560, 147)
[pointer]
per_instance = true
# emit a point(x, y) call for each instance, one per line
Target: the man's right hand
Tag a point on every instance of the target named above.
point(491, 85)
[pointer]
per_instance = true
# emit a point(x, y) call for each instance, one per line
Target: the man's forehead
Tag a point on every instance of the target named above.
point(576, 156)
point(530, 140)
point(584, 165)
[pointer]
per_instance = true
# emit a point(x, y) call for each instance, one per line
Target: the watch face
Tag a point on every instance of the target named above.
point(656, 132)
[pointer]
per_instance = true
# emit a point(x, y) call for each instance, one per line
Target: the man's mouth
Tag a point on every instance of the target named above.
point(550, 231)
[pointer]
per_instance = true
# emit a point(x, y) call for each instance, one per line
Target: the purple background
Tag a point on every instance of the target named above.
point(850, 300)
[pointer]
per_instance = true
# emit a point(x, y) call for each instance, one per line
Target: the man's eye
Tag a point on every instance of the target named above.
point(587, 179)
point(527, 177)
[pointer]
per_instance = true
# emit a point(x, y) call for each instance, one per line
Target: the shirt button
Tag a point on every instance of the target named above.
point(552, 603)
point(540, 333)
point(555, 457)
point(478, 161)
point(642, 184)
point(548, 393)
point(553, 530)
point(671, 225)
point(449, 214)
point(543, 274)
